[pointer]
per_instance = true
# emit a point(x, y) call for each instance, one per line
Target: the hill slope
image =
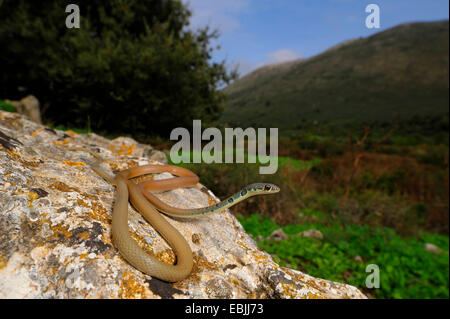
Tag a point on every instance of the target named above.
point(402, 72)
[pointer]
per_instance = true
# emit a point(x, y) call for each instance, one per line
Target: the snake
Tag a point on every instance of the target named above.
point(148, 205)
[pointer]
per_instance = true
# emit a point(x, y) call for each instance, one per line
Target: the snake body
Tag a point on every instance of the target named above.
point(148, 205)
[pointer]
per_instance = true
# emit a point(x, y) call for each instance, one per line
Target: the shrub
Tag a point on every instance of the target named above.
point(6, 107)
point(129, 64)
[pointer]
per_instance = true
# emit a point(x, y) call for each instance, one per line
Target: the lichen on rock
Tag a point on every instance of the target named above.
point(55, 229)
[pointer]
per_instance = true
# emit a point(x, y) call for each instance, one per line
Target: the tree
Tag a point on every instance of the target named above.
point(132, 67)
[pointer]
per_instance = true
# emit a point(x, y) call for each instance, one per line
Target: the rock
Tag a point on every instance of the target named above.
point(312, 233)
point(130, 147)
point(433, 248)
point(157, 156)
point(31, 108)
point(28, 106)
point(358, 259)
point(55, 231)
point(278, 235)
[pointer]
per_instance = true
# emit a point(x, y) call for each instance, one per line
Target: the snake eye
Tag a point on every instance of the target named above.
point(267, 188)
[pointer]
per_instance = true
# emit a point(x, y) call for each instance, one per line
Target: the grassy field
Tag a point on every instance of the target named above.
point(407, 270)
point(377, 196)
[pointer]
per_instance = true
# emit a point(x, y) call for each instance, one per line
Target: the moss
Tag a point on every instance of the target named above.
point(7, 107)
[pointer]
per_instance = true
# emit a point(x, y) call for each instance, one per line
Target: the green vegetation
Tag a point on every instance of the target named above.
point(76, 130)
point(407, 270)
point(397, 201)
point(129, 64)
point(398, 73)
point(7, 107)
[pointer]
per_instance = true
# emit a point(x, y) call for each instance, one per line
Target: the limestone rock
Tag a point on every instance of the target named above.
point(278, 235)
point(55, 230)
point(128, 146)
point(358, 259)
point(433, 248)
point(312, 233)
point(28, 106)
point(32, 108)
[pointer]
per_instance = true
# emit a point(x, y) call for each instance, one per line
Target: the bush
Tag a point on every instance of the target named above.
point(7, 107)
point(129, 64)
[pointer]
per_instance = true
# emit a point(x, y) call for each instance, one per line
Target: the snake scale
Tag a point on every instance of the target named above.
point(148, 206)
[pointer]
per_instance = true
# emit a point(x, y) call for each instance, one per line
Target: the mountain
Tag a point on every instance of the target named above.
point(400, 72)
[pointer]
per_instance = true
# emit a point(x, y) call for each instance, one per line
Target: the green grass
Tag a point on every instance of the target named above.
point(296, 164)
point(407, 270)
point(6, 107)
point(76, 130)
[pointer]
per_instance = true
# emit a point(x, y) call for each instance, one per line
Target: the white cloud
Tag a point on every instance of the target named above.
point(279, 56)
point(283, 55)
point(244, 67)
point(225, 16)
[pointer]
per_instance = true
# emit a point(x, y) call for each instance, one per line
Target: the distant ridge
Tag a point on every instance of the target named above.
point(402, 71)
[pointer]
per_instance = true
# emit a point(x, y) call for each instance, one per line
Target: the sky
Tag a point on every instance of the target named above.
point(254, 33)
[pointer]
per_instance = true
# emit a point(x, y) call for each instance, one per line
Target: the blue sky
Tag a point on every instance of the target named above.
point(259, 32)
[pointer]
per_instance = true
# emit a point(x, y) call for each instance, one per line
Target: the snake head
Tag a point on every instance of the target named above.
point(262, 189)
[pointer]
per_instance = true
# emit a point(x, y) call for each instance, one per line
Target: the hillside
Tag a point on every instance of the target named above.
point(402, 72)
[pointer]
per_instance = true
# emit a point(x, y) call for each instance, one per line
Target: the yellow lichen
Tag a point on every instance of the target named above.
point(123, 150)
point(71, 133)
point(82, 203)
point(200, 262)
point(36, 132)
point(2, 261)
point(130, 288)
point(83, 256)
point(63, 187)
point(242, 245)
point(289, 290)
point(167, 256)
point(143, 244)
point(12, 153)
point(59, 143)
point(32, 197)
point(74, 163)
point(59, 231)
point(130, 150)
point(98, 212)
point(301, 278)
point(314, 296)
point(32, 164)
